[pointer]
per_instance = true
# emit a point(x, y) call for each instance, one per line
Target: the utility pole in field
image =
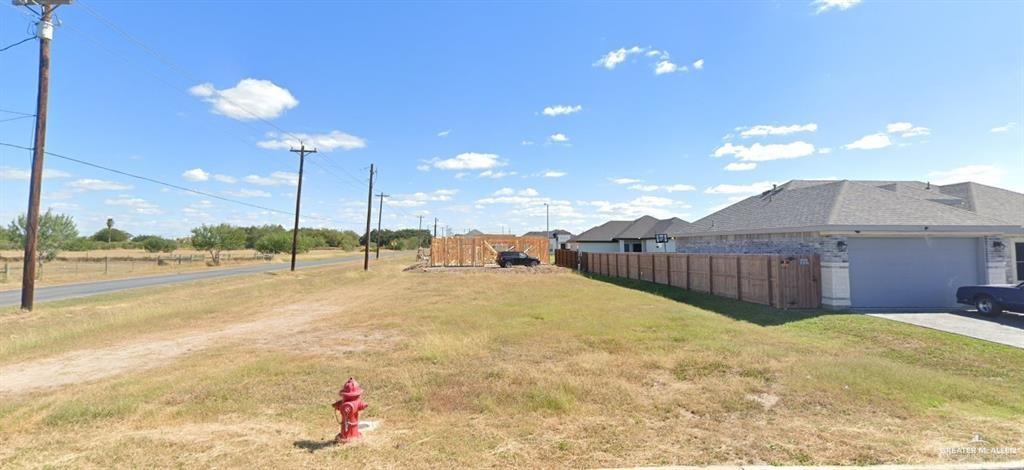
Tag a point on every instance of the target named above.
point(435, 227)
point(44, 31)
point(547, 224)
point(380, 214)
point(369, 210)
point(298, 198)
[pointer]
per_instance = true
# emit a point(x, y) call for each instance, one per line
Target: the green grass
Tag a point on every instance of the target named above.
point(507, 369)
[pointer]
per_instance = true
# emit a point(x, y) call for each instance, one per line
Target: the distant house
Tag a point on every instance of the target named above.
point(628, 235)
point(558, 238)
point(883, 244)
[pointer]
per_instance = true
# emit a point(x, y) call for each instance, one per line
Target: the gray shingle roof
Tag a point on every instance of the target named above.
point(604, 232)
point(813, 205)
point(642, 228)
point(989, 201)
point(542, 233)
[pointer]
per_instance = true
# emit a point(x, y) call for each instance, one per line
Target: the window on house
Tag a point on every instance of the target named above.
point(1019, 248)
point(637, 247)
point(625, 247)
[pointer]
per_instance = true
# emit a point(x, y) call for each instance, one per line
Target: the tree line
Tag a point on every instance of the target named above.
point(58, 232)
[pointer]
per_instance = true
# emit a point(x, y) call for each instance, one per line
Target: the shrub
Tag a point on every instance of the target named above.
point(154, 244)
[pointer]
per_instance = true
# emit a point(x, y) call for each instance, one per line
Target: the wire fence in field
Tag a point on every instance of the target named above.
point(86, 267)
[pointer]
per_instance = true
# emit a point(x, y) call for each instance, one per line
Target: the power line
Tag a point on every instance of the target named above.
point(164, 183)
point(23, 41)
point(16, 112)
point(16, 118)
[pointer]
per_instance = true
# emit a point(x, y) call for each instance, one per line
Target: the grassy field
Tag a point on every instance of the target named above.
point(485, 369)
point(83, 266)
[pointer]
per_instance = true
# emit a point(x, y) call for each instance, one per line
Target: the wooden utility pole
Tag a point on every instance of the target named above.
point(298, 198)
point(369, 210)
point(380, 213)
point(44, 30)
point(435, 227)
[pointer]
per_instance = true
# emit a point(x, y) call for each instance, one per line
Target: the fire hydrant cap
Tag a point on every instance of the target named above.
point(351, 389)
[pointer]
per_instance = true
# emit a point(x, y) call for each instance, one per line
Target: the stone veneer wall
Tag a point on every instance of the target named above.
point(835, 261)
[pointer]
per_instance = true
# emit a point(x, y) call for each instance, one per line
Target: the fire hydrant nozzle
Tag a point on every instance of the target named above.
point(348, 408)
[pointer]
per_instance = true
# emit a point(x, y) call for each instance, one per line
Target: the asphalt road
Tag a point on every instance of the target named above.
point(85, 289)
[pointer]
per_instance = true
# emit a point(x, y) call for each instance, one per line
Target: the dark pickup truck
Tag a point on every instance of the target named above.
point(993, 299)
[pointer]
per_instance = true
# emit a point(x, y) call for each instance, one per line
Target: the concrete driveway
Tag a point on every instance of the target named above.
point(1007, 328)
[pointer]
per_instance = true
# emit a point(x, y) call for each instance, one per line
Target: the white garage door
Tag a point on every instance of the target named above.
point(911, 272)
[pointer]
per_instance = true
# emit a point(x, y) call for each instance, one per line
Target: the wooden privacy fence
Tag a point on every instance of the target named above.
point(484, 249)
point(567, 258)
point(778, 280)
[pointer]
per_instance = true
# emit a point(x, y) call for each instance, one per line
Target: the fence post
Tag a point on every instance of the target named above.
point(739, 283)
point(711, 274)
point(106, 264)
point(6, 270)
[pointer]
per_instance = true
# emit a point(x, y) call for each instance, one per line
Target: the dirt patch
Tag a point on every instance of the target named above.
point(93, 364)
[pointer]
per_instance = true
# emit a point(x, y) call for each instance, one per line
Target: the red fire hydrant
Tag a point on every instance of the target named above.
point(348, 408)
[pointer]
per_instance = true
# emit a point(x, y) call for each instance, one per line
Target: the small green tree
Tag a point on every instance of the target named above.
point(155, 244)
point(274, 243)
point(115, 235)
point(216, 238)
point(56, 232)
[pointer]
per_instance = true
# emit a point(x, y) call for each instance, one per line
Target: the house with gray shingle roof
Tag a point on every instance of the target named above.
point(883, 244)
point(628, 235)
point(557, 239)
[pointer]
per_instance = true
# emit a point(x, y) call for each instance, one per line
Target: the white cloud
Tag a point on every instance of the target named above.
point(626, 180)
point(423, 167)
point(752, 188)
point(444, 133)
point(553, 174)
point(420, 198)
point(276, 178)
point(496, 174)
point(1004, 128)
point(225, 178)
point(660, 207)
point(670, 188)
point(761, 153)
point(558, 137)
point(7, 173)
point(824, 150)
point(560, 109)
point(196, 174)
point(248, 193)
point(870, 142)
point(526, 142)
point(738, 166)
point(897, 127)
point(906, 129)
point(138, 205)
point(984, 174)
point(469, 161)
point(248, 100)
point(826, 5)
point(916, 131)
point(766, 130)
point(321, 142)
point(614, 58)
point(666, 66)
point(698, 64)
point(89, 184)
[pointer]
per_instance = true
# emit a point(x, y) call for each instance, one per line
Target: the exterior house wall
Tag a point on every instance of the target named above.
point(997, 260)
point(597, 247)
point(651, 246)
point(1011, 259)
point(630, 241)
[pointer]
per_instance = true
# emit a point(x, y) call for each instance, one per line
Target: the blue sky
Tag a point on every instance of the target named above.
point(668, 109)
